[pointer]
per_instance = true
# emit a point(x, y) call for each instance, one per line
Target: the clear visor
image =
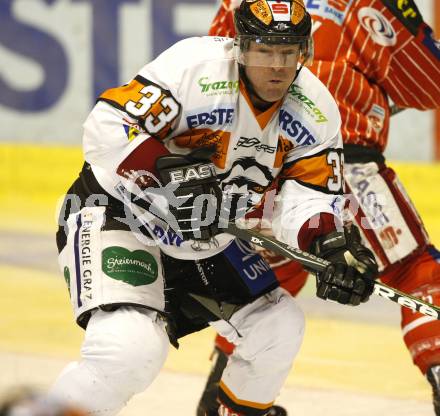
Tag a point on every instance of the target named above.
point(273, 51)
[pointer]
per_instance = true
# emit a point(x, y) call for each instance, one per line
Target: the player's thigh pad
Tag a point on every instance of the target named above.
point(109, 267)
point(379, 204)
point(267, 334)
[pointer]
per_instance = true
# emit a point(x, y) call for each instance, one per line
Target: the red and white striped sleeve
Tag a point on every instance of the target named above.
point(223, 23)
point(413, 77)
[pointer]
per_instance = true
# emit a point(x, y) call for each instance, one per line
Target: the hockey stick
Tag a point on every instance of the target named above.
point(309, 260)
point(317, 264)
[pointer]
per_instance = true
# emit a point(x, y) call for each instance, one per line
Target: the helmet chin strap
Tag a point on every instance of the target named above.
point(251, 90)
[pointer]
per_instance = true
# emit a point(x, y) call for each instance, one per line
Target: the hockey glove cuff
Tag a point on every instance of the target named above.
point(350, 277)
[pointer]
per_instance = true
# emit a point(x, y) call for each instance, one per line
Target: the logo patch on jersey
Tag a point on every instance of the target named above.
point(254, 142)
point(295, 91)
point(373, 203)
point(206, 138)
point(284, 146)
point(218, 87)
point(135, 268)
point(295, 129)
point(131, 132)
point(132, 129)
point(246, 176)
point(335, 10)
point(390, 237)
point(376, 117)
point(378, 26)
point(252, 268)
point(218, 117)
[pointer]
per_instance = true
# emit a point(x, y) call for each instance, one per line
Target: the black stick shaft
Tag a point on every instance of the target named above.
point(318, 265)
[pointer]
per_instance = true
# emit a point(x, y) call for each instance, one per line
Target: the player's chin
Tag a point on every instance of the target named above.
point(274, 93)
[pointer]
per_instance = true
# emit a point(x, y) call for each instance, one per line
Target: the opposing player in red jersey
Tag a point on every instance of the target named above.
point(368, 52)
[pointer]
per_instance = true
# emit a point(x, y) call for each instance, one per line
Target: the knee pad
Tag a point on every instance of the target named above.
point(122, 353)
point(128, 344)
point(127, 347)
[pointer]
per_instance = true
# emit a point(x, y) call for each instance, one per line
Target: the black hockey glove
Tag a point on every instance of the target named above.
point(198, 194)
point(350, 277)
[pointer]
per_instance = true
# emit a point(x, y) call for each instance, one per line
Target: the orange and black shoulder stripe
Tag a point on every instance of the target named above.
point(154, 107)
point(322, 171)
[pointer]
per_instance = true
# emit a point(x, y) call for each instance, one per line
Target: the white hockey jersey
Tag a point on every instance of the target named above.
point(191, 96)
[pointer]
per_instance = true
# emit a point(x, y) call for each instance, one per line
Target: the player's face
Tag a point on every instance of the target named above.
point(271, 69)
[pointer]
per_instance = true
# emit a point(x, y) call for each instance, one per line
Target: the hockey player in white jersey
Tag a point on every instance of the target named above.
point(195, 140)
